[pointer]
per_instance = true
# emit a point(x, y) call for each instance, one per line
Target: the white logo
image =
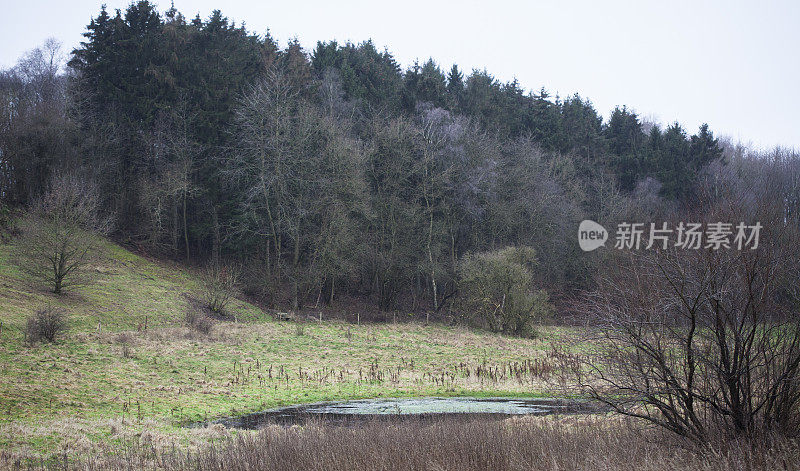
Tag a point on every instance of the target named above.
point(591, 235)
point(634, 235)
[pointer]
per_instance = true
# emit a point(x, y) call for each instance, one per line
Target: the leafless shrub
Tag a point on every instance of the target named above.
point(218, 285)
point(704, 343)
point(199, 322)
point(299, 328)
point(123, 338)
point(46, 324)
point(126, 341)
point(58, 234)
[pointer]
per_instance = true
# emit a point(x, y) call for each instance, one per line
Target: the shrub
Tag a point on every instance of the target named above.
point(496, 291)
point(125, 340)
point(218, 284)
point(199, 322)
point(46, 324)
point(299, 328)
point(703, 343)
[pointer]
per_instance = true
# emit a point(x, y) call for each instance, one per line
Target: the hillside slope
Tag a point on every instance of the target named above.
point(120, 380)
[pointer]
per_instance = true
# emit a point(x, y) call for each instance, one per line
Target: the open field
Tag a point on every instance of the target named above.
point(112, 378)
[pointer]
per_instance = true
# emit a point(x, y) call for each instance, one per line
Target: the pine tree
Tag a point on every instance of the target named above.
point(433, 84)
point(704, 148)
point(673, 169)
point(625, 138)
point(455, 89)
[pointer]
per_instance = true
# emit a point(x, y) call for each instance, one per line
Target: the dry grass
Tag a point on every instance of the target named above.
point(550, 443)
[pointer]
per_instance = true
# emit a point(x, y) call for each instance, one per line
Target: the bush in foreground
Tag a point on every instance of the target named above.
point(218, 285)
point(704, 343)
point(46, 324)
point(496, 291)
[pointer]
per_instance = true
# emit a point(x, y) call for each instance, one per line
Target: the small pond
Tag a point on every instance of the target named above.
point(429, 408)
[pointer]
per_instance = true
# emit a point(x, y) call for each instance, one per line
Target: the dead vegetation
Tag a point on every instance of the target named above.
point(218, 285)
point(564, 443)
point(198, 322)
point(46, 324)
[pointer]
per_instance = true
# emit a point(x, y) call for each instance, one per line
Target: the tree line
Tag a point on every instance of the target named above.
point(327, 172)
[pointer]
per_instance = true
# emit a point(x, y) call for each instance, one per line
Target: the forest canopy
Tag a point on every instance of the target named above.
point(332, 171)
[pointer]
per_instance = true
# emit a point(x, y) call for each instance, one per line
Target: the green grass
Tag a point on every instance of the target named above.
point(73, 390)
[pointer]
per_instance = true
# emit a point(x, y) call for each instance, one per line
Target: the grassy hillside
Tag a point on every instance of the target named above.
point(121, 380)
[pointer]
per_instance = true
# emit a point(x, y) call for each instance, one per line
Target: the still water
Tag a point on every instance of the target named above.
point(429, 408)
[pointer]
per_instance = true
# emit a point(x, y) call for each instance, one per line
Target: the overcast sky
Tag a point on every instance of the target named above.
point(733, 64)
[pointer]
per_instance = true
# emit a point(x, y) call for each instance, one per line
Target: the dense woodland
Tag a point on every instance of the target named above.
point(331, 172)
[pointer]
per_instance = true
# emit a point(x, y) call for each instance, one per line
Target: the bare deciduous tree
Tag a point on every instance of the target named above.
point(34, 126)
point(705, 343)
point(59, 233)
point(302, 180)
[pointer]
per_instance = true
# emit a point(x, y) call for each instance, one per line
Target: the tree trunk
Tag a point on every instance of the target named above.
point(430, 260)
point(215, 252)
point(296, 269)
point(175, 228)
point(185, 228)
point(275, 239)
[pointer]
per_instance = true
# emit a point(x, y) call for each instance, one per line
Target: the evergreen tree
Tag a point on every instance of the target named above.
point(673, 169)
point(433, 85)
point(581, 128)
point(368, 75)
point(625, 139)
point(455, 87)
point(704, 147)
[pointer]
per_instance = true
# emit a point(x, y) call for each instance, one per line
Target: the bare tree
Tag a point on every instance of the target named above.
point(34, 126)
point(179, 176)
point(705, 343)
point(262, 126)
point(396, 219)
point(59, 233)
point(166, 191)
point(218, 286)
point(302, 179)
